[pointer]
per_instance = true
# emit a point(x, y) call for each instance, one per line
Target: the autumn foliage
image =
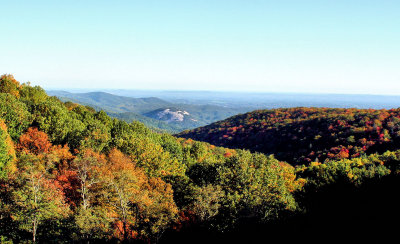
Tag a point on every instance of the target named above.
point(303, 135)
point(8, 84)
point(34, 141)
point(71, 174)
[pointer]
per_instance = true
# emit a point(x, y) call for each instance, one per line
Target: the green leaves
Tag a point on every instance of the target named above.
point(92, 223)
point(349, 171)
point(37, 197)
point(207, 201)
point(257, 184)
point(15, 114)
point(9, 85)
point(7, 153)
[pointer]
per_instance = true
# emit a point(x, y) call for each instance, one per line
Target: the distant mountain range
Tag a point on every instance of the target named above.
point(266, 100)
point(175, 111)
point(152, 111)
point(112, 103)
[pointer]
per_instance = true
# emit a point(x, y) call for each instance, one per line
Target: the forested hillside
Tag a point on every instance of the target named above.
point(69, 173)
point(304, 135)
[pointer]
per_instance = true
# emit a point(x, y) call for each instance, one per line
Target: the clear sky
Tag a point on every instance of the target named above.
point(338, 46)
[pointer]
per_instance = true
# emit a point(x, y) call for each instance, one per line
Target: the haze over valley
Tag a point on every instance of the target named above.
point(175, 111)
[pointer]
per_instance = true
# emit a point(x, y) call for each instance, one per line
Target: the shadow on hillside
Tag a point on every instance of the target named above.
point(341, 213)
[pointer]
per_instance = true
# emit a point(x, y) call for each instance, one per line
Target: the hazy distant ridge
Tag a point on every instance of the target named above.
point(152, 111)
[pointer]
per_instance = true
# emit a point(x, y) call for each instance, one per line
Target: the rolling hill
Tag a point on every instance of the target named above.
point(303, 135)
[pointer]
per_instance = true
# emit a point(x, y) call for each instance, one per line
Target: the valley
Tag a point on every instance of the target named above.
point(176, 111)
point(159, 114)
point(69, 172)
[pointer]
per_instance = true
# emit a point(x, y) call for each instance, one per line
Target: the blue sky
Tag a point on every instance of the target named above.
point(250, 45)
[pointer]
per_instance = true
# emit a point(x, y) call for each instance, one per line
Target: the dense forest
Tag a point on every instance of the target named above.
point(304, 135)
point(69, 173)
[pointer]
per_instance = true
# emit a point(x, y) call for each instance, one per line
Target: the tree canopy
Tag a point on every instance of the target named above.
point(71, 174)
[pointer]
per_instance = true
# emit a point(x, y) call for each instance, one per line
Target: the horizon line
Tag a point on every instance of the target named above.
point(87, 90)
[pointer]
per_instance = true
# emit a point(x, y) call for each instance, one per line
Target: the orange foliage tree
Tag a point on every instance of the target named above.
point(34, 141)
point(140, 207)
point(38, 196)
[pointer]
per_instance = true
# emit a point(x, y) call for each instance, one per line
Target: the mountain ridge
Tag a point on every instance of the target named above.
point(146, 109)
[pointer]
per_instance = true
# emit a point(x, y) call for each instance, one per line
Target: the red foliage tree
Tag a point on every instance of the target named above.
point(34, 141)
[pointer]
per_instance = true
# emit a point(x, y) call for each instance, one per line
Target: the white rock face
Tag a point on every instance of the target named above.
point(171, 116)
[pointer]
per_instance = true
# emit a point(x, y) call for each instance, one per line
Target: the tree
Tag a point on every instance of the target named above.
point(32, 96)
point(37, 197)
point(207, 201)
point(7, 168)
point(35, 142)
point(157, 209)
point(7, 153)
point(15, 115)
point(9, 85)
point(255, 186)
point(52, 117)
point(141, 206)
point(86, 167)
point(93, 223)
point(122, 183)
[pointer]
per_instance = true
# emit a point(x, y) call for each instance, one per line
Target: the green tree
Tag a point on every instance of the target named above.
point(59, 123)
point(92, 223)
point(37, 197)
point(7, 153)
point(9, 85)
point(32, 96)
point(15, 115)
point(207, 201)
point(255, 185)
